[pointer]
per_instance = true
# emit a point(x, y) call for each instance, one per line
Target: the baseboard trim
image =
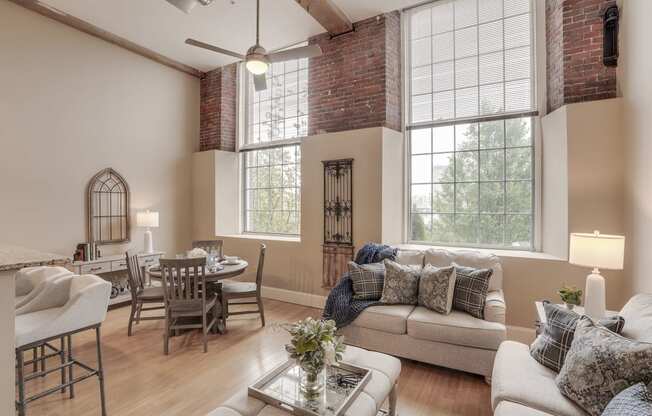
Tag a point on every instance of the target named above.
point(291, 296)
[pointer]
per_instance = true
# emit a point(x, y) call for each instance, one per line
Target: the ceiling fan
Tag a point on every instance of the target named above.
point(187, 5)
point(257, 59)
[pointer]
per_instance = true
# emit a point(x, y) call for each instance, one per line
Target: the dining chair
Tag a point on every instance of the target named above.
point(209, 245)
point(232, 290)
point(187, 296)
point(141, 294)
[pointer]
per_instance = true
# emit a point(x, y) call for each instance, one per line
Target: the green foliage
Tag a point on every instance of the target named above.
point(571, 295)
point(314, 344)
point(482, 194)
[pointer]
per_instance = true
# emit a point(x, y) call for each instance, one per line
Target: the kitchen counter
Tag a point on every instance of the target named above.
point(15, 258)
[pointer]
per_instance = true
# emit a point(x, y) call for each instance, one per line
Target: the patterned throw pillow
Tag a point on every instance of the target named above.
point(550, 348)
point(367, 280)
point(401, 284)
point(600, 364)
point(633, 401)
point(436, 287)
point(471, 286)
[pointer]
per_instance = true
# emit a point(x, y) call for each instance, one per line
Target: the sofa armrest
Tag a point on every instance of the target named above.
point(495, 307)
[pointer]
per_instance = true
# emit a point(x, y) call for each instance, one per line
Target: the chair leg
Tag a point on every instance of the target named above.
point(70, 368)
point(100, 370)
point(203, 327)
point(166, 333)
point(139, 308)
point(20, 405)
point(43, 360)
point(131, 318)
point(261, 308)
point(62, 359)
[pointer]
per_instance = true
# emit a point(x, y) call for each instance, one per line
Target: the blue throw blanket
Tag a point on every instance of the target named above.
point(340, 305)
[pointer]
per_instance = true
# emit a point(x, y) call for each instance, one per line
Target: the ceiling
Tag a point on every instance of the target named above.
point(230, 24)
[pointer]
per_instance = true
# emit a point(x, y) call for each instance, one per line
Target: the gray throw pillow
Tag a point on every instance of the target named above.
point(401, 284)
point(367, 280)
point(550, 348)
point(600, 364)
point(633, 401)
point(471, 286)
point(436, 288)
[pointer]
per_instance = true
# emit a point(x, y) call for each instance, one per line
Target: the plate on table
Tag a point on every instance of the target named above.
point(231, 261)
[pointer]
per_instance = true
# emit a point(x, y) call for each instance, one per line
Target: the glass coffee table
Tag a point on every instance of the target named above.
point(281, 388)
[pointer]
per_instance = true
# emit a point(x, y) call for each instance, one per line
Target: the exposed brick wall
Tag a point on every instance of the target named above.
point(575, 71)
point(356, 82)
point(218, 98)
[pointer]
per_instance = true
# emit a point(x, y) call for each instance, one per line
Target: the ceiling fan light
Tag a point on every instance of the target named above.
point(187, 5)
point(257, 66)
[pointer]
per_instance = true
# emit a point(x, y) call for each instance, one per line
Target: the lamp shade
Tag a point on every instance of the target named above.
point(147, 219)
point(597, 250)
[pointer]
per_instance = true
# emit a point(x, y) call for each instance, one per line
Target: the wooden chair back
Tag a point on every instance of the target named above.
point(209, 245)
point(134, 273)
point(183, 279)
point(261, 264)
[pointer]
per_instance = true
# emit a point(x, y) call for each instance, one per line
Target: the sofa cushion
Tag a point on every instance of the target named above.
point(436, 287)
point(638, 318)
point(456, 328)
point(401, 284)
point(386, 318)
point(515, 409)
point(518, 378)
point(633, 401)
point(471, 286)
point(410, 257)
point(550, 348)
point(367, 280)
point(470, 258)
point(494, 307)
point(600, 364)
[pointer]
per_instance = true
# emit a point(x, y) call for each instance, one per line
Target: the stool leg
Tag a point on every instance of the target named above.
point(21, 383)
point(393, 399)
point(70, 375)
point(43, 360)
point(62, 359)
point(100, 370)
point(35, 361)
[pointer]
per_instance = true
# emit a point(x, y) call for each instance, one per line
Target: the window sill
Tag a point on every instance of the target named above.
point(264, 237)
point(535, 255)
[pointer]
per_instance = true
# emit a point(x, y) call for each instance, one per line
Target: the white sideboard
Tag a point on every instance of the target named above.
point(113, 264)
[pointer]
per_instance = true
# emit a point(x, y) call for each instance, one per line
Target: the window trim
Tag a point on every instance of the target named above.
point(538, 93)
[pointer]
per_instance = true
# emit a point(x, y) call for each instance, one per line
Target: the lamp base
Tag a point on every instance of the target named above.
point(594, 296)
point(149, 244)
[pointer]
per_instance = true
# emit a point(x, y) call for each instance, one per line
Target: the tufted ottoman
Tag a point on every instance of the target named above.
point(385, 370)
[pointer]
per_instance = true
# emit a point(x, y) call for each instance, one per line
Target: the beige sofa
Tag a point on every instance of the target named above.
point(457, 340)
point(523, 387)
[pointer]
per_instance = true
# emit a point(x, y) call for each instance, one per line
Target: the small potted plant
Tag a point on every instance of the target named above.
point(571, 296)
point(314, 345)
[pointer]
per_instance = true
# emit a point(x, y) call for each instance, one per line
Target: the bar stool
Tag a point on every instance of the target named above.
point(33, 292)
point(84, 309)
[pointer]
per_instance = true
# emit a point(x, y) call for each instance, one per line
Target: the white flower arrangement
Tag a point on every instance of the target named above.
point(196, 253)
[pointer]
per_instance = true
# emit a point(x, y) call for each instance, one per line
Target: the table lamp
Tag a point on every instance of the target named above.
point(599, 251)
point(147, 219)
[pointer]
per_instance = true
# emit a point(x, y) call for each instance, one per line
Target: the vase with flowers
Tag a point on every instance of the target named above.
point(314, 345)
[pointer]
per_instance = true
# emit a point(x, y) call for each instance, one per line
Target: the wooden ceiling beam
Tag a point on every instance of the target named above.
point(326, 12)
point(93, 30)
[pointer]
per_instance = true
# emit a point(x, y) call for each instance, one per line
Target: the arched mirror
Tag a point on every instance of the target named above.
point(108, 208)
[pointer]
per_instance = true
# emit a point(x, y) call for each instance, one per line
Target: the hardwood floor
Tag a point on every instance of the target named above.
point(141, 381)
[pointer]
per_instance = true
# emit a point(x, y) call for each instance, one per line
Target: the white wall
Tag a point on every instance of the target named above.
point(634, 76)
point(71, 105)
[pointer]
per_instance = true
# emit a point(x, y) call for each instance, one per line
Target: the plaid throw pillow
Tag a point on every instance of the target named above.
point(633, 401)
point(551, 347)
point(471, 286)
point(367, 279)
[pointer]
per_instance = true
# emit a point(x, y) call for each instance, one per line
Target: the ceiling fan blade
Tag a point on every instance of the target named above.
point(310, 51)
point(260, 83)
point(203, 45)
point(187, 5)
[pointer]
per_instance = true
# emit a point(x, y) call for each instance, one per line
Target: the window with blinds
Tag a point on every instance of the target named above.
point(276, 119)
point(470, 121)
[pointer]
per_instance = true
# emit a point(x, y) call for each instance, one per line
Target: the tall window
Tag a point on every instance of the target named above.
point(470, 121)
point(277, 119)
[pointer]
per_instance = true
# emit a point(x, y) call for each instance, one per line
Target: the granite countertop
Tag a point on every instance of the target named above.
point(14, 258)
